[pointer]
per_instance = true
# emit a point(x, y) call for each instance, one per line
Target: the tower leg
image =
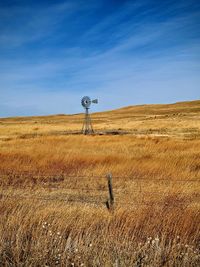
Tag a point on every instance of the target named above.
point(87, 125)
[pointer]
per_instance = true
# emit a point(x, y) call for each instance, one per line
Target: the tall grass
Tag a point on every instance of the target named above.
point(40, 234)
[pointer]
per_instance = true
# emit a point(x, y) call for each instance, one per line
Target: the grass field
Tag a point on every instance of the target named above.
point(53, 188)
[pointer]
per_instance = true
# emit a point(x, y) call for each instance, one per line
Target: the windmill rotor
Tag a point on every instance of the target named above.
point(86, 102)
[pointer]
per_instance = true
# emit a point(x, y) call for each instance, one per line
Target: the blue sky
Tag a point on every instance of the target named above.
point(122, 52)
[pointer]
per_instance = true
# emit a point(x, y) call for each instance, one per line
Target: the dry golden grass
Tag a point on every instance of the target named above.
point(49, 218)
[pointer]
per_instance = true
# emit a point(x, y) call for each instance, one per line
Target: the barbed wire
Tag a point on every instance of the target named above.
point(88, 201)
point(59, 177)
point(49, 199)
point(119, 191)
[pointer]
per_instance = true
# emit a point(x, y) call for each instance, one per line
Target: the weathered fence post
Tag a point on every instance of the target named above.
point(110, 201)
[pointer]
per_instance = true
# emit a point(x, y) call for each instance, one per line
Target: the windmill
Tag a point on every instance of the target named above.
point(87, 124)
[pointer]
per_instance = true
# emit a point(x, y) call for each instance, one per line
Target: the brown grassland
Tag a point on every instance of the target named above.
point(53, 188)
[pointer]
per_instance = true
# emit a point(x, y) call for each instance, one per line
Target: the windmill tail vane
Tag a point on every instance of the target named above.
point(95, 101)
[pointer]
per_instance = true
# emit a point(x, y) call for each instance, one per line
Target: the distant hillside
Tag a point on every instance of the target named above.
point(180, 119)
point(186, 107)
point(151, 109)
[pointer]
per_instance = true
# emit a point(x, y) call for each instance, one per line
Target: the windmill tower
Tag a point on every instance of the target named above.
point(87, 124)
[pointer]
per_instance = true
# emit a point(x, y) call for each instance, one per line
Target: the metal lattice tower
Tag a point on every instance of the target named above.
point(87, 124)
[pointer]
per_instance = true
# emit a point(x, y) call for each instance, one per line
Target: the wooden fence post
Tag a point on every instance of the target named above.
point(110, 201)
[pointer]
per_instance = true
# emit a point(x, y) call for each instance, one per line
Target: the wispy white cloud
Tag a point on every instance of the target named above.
point(32, 23)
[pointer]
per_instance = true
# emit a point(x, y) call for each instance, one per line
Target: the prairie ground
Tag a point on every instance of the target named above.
point(53, 188)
